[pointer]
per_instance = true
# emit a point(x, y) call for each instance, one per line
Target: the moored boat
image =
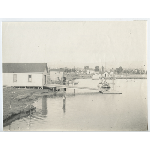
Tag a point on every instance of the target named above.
point(105, 85)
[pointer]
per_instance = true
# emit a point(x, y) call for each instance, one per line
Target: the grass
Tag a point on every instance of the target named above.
point(16, 101)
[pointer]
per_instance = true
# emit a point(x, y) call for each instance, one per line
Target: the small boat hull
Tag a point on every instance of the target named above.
point(106, 87)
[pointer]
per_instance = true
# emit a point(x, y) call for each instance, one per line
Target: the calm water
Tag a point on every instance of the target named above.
point(90, 110)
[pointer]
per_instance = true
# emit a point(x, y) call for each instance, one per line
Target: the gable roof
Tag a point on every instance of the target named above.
point(106, 72)
point(60, 70)
point(24, 67)
point(91, 69)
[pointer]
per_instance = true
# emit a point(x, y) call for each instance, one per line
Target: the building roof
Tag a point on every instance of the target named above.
point(91, 69)
point(60, 70)
point(24, 67)
point(106, 72)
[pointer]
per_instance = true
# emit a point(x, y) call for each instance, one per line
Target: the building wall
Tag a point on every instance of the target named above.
point(43, 78)
point(55, 74)
point(90, 71)
point(22, 79)
point(105, 74)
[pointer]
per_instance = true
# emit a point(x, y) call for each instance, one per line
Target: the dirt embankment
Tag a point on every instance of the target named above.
point(19, 101)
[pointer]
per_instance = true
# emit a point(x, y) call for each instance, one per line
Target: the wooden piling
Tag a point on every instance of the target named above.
point(54, 89)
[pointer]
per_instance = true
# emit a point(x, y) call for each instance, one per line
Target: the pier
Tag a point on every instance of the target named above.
point(58, 86)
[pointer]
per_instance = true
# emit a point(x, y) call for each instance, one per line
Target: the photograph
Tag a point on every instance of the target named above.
point(74, 76)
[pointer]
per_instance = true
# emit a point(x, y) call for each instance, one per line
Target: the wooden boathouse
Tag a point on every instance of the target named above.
point(25, 74)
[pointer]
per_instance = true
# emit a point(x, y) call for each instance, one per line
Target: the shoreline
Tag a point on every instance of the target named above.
point(20, 103)
point(90, 77)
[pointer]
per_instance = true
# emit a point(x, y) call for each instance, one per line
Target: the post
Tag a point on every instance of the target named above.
point(9, 127)
point(113, 79)
point(54, 89)
point(74, 92)
point(30, 111)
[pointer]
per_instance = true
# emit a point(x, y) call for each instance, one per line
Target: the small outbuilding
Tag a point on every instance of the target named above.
point(25, 74)
point(105, 74)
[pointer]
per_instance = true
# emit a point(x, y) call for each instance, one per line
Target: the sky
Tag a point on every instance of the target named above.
point(68, 44)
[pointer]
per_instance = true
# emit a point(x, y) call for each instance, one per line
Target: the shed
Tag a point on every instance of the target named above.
point(25, 74)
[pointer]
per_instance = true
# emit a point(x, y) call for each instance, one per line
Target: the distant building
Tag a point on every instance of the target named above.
point(86, 67)
point(56, 74)
point(25, 74)
point(97, 68)
point(90, 71)
point(105, 74)
point(111, 74)
point(102, 69)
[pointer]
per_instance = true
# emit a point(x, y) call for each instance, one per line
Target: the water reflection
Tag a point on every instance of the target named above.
point(54, 94)
point(106, 112)
point(29, 121)
point(44, 105)
point(64, 102)
point(9, 127)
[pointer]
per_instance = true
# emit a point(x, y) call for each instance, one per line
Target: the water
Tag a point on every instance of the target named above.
point(89, 110)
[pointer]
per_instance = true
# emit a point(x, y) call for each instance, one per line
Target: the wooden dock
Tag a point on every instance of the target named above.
point(110, 92)
point(58, 86)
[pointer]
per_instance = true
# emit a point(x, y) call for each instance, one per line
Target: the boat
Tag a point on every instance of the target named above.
point(105, 85)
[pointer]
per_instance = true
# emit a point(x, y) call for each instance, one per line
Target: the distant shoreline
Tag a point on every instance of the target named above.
point(73, 77)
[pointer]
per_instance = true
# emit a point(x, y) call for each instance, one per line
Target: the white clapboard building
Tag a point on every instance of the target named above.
point(25, 74)
point(105, 74)
point(56, 74)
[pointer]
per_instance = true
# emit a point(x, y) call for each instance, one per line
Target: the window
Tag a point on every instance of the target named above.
point(29, 78)
point(14, 77)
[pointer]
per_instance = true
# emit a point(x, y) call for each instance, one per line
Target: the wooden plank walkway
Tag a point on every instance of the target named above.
point(69, 87)
point(110, 92)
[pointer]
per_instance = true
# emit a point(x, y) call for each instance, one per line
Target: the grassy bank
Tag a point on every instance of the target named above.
point(18, 102)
